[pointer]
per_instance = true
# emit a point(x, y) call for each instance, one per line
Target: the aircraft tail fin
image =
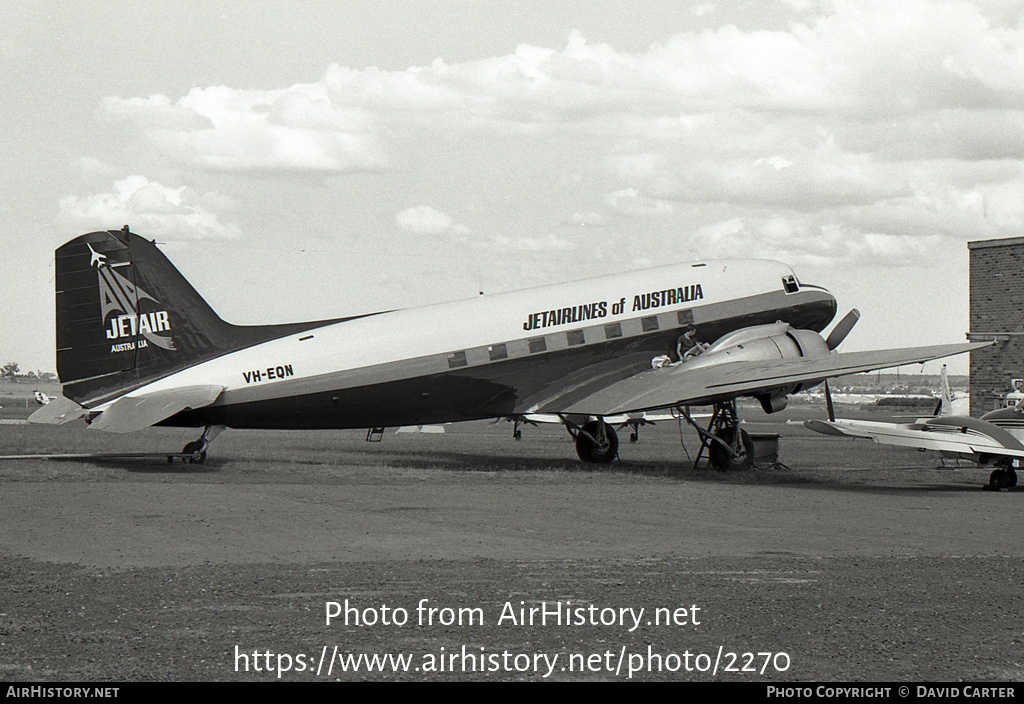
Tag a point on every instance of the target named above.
point(946, 401)
point(126, 316)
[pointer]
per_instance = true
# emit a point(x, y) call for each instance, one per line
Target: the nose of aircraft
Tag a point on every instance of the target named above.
point(833, 305)
point(822, 302)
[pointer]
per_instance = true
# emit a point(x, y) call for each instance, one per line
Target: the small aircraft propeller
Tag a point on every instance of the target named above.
point(842, 329)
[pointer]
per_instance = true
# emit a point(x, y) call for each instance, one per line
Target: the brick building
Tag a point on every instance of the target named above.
point(997, 312)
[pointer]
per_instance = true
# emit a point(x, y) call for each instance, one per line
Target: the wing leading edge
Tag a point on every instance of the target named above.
point(682, 386)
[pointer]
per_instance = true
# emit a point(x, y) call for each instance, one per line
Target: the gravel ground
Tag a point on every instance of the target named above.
point(836, 565)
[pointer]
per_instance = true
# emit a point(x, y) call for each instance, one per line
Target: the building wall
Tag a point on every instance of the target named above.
point(997, 306)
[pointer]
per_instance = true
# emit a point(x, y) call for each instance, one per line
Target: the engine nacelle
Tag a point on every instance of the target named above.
point(773, 404)
point(774, 341)
point(763, 342)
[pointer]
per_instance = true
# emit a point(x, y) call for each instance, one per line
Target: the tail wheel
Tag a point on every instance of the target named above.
point(197, 451)
point(604, 449)
point(736, 459)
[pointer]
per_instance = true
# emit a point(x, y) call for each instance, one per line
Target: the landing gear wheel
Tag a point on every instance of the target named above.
point(602, 451)
point(998, 480)
point(725, 460)
point(1011, 477)
point(634, 437)
point(197, 451)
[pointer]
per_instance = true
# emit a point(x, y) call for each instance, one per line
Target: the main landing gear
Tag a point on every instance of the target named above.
point(596, 441)
point(1005, 477)
point(196, 450)
point(729, 446)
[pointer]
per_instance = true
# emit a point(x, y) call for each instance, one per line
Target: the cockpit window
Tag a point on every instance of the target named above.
point(790, 284)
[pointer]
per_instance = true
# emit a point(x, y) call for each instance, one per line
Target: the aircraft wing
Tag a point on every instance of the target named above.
point(955, 434)
point(131, 413)
point(681, 386)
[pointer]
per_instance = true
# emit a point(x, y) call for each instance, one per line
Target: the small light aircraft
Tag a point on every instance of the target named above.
point(41, 398)
point(993, 439)
point(138, 346)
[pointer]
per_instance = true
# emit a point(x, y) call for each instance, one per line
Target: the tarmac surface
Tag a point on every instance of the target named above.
point(847, 562)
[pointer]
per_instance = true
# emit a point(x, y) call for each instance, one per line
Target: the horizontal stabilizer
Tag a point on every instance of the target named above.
point(132, 413)
point(58, 411)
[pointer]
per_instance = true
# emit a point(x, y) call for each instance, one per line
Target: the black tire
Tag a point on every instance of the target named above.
point(588, 451)
point(724, 460)
point(1011, 477)
point(998, 480)
point(197, 455)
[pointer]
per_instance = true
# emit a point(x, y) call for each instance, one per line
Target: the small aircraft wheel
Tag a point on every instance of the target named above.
point(998, 480)
point(518, 435)
point(1011, 477)
point(196, 452)
point(725, 460)
point(633, 437)
point(589, 451)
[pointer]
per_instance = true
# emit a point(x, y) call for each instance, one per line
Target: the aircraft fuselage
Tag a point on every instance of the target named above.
point(493, 355)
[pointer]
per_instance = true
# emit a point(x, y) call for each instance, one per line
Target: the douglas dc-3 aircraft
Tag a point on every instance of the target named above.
point(993, 439)
point(137, 346)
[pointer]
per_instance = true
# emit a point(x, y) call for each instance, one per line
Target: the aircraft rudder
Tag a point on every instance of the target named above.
point(124, 312)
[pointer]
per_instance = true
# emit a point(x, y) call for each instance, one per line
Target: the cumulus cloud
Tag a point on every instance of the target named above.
point(549, 243)
point(149, 207)
point(876, 57)
point(590, 219)
point(855, 123)
point(424, 220)
point(629, 202)
point(293, 129)
point(801, 241)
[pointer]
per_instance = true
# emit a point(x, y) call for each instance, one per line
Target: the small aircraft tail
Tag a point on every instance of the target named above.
point(945, 406)
point(126, 316)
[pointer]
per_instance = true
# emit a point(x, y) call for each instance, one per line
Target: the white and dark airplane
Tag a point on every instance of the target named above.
point(993, 439)
point(138, 346)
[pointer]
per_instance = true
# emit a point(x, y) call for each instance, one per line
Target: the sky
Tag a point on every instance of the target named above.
point(308, 159)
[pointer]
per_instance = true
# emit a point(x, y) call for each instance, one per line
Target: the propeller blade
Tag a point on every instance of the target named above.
point(828, 403)
point(840, 331)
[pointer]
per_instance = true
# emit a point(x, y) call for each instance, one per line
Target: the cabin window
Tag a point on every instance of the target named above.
point(790, 284)
point(575, 337)
point(649, 323)
point(538, 344)
point(497, 352)
point(685, 317)
point(457, 359)
point(612, 330)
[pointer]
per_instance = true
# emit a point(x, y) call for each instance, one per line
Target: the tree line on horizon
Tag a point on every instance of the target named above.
point(11, 371)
